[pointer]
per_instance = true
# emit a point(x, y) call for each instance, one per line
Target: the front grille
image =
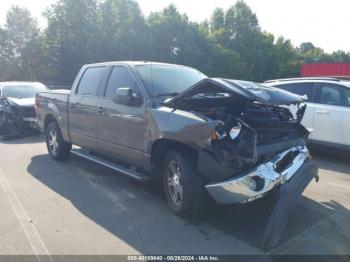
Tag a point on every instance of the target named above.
point(28, 111)
point(286, 161)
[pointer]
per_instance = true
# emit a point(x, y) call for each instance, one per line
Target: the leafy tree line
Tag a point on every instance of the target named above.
point(228, 44)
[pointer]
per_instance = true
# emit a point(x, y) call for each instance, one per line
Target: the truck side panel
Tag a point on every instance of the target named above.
point(53, 106)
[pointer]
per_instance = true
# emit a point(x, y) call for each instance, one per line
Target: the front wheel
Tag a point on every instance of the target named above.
point(57, 147)
point(183, 186)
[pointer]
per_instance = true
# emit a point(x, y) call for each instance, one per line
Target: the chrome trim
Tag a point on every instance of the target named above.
point(29, 119)
point(237, 189)
point(129, 172)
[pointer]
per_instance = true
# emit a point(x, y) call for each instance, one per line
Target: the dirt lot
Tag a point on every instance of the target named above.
point(76, 207)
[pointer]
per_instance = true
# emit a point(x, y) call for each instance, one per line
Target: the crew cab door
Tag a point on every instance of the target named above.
point(82, 108)
point(331, 114)
point(121, 126)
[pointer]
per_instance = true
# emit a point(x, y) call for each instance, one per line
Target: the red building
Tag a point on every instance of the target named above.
point(334, 70)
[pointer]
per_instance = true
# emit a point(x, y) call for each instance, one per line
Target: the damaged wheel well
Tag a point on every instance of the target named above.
point(162, 146)
point(48, 120)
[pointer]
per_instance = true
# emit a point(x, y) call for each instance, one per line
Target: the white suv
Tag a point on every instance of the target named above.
point(327, 114)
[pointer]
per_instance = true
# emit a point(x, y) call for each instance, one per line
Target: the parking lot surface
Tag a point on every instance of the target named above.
point(79, 208)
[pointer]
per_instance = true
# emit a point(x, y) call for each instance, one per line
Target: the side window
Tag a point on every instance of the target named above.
point(331, 95)
point(347, 96)
point(120, 77)
point(90, 81)
point(302, 89)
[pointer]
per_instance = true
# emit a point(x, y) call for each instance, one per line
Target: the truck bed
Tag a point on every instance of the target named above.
point(54, 103)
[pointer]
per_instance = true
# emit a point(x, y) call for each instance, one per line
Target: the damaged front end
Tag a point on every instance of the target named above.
point(263, 147)
point(257, 146)
point(17, 118)
point(257, 143)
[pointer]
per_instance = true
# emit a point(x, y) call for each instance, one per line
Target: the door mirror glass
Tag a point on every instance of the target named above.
point(123, 96)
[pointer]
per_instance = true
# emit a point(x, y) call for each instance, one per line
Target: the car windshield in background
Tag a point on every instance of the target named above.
point(22, 91)
point(168, 80)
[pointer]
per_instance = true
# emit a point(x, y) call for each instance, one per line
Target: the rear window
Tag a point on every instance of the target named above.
point(90, 81)
point(302, 89)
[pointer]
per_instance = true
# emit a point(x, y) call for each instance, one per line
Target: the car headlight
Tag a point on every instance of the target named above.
point(220, 133)
point(234, 132)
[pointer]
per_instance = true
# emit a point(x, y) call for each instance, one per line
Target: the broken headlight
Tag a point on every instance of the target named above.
point(221, 133)
point(235, 130)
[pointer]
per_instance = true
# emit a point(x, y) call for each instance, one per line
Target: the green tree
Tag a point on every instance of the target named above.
point(288, 59)
point(124, 33)
point(174, 39)
point(21, 51)
point(341, 56)
point(229, 44)
point(5, 54)
point(217, 20)
point(167, 34)
point(71, 37)
point(243, 36)
point(310, 53)
point(306, 47)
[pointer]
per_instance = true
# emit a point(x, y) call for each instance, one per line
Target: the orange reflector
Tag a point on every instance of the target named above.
point(213, 136)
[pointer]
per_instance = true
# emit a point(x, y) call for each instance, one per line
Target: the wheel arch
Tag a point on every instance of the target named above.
point(49, 118)
point(163, 145)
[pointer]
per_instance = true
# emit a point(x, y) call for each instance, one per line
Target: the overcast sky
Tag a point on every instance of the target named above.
point(323, 22)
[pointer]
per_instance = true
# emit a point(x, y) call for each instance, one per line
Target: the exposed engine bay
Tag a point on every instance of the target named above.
point(259, 132)
point(249, 131)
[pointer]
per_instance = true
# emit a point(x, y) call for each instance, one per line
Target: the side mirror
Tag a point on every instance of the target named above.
point(123, 95)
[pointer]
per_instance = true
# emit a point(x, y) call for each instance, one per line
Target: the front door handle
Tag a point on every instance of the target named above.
point(324, 112)
point(101, 110)
point(73, 105)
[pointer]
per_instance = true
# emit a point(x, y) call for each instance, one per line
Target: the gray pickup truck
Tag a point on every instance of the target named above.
point(231, 140)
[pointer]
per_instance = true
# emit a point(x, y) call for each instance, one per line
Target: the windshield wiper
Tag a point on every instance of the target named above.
point(167, 94)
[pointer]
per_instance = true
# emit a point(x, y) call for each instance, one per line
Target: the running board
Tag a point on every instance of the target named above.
point(124, 170)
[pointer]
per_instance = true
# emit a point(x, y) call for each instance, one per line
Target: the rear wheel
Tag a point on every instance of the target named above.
point(183, 186)
point(57, 147)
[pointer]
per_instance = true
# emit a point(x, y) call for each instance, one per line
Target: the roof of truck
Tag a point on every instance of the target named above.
point(131, 63)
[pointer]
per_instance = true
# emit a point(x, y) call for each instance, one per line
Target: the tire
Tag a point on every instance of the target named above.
point(58, 149)
point(179, 174)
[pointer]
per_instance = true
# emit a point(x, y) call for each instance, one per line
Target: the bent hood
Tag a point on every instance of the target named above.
point(21, 101)
point(246, 90)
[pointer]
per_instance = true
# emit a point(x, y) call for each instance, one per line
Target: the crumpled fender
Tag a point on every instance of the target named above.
point(286, 199)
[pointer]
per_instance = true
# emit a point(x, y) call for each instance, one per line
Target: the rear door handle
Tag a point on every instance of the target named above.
point(101, 110)
point(324, 112)
point(73, 105)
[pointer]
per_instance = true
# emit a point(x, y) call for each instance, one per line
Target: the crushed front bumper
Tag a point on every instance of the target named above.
point(258, 182)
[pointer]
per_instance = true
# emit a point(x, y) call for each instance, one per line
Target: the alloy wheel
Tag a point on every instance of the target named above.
point(52, 141)
point(174, 182)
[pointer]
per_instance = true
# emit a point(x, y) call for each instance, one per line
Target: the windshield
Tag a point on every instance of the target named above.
point(168, 80)
point(22, 91)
